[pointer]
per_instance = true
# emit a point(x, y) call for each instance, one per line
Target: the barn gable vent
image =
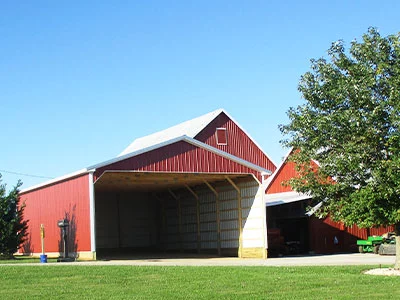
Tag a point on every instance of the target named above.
point(221, 136)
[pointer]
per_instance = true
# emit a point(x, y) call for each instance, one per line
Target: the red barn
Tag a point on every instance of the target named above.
point(292, 228)
point(195, 187)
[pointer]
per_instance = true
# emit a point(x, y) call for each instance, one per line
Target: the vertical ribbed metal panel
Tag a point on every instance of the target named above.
point(381, 230)
point(51, 203)
point(229, 217)
point(179, 157)
point(239, 144)
point(286, 173)
point(189, 223)
point(107, 215)
point(363, 233)
point(172, 224)
point(208, 220)
point(253, 215)
point(136, 221)
point(323, 231)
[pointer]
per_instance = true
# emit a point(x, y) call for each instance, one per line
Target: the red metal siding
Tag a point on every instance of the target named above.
point(363, 233)
point(49, 204)
point(179, 157)
point(284, 174)
point(323, 232)
point(238, 143)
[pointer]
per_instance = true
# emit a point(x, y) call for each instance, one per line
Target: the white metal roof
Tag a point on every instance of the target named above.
point(284, 198)
point(189, 128)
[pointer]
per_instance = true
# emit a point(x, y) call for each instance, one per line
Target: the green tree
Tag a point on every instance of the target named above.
point(13, 229)
point(349, 125)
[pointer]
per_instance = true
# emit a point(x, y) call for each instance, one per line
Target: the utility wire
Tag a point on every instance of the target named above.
point(23, 174)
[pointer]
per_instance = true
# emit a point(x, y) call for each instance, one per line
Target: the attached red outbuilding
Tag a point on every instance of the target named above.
point(292, 228)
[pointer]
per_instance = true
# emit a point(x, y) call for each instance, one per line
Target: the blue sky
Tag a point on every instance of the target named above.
point(79, 80)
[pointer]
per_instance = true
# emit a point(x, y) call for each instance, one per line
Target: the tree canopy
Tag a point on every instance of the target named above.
point(349, 125)
point(13, 229)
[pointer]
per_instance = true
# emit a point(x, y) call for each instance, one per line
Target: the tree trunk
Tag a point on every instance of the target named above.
point(397, 231)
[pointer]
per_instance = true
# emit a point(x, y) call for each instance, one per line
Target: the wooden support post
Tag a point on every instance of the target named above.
point(42, 235)
point(240, 250)
point(197, 217)
point(178, 200)
point(218, 216)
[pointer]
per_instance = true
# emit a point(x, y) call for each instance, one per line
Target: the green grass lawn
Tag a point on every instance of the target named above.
point(24, 259)
point(136, 282)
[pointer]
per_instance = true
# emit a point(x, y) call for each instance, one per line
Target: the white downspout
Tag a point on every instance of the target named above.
point(92, 215)
point(263, 188)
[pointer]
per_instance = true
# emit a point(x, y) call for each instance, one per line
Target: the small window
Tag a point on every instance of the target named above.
point(221, 136)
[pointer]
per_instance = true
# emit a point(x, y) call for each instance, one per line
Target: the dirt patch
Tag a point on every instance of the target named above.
point(383, 272)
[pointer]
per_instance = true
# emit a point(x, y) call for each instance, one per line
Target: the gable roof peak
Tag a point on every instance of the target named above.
point(188, 128)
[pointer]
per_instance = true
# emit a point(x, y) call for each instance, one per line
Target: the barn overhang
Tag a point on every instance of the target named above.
point(157, 181)
point(284, 198)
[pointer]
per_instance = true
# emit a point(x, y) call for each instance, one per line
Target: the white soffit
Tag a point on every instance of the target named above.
point(284, 198)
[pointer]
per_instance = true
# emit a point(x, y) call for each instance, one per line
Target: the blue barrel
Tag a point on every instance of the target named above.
point(43, 258)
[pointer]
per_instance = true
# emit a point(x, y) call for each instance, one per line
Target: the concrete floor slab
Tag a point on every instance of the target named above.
point(193, 260)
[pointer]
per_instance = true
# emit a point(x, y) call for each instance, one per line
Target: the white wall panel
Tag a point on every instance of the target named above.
point(230, 244)
point(229, 215)
point(212, 226)
point(208, 236)
point(229, 205)
point(253, 243)
point(252, 234)
point(208, 217)
point(209, 245)
point(230, 235)
point(253, 223)
point(253, 216)
point(233, 225)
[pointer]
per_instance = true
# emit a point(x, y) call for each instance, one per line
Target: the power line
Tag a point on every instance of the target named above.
point(23, 174)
